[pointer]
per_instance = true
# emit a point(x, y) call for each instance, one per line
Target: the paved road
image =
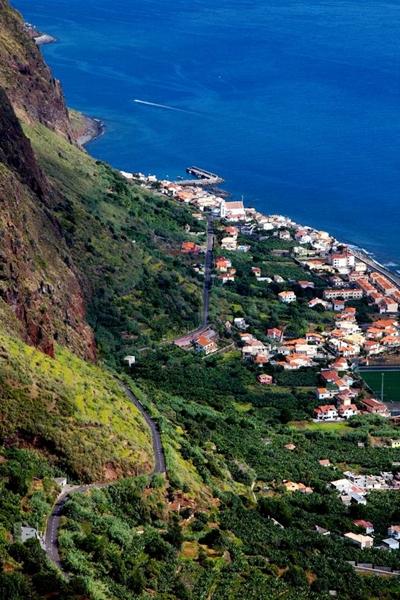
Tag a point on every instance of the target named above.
point(377, 267)
point(187, 339)
point(53, 523)
point(159, 458)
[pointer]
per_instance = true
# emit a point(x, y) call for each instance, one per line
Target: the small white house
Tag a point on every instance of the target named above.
point(130, 360)
point(362, 541)
point(287, 297)
point(390, 544)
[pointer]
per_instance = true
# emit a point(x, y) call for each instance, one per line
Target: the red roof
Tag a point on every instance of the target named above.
point(203, 341)
point(324, 408)
point(363, 523)
point(274, 332)
point(329, 375)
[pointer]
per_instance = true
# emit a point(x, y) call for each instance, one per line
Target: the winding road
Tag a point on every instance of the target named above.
point(53, 523)
point(187, 339)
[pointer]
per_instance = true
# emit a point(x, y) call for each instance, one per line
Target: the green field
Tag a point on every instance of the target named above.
point(391, 384)
point(332, 427)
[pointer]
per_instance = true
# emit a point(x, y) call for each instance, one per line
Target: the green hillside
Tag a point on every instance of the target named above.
point(125, 242)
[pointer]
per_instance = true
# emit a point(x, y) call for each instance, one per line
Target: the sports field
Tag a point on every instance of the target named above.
point(391, 388)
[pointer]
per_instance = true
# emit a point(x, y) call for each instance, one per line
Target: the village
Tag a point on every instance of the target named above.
point(346, 278)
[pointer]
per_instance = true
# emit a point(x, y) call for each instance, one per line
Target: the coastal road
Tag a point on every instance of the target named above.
point(187, 339)
point(377, 267)
point(53, 523)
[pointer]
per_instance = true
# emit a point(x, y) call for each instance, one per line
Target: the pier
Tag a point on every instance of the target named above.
point(203, 178)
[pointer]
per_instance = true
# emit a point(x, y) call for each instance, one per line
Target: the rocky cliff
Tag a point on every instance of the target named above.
point(37, 276)
point(34, 93)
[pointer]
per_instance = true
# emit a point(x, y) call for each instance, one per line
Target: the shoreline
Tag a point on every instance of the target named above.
point(95, 128)
point(85, 128)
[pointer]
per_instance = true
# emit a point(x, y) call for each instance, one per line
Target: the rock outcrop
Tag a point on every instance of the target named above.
point(37, 275)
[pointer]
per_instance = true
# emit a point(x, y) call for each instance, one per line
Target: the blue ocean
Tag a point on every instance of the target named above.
point(296, 103)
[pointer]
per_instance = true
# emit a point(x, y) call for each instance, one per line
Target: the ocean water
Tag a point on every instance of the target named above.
point(296, 103)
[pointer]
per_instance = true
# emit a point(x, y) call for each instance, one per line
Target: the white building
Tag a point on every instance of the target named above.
point(287, 297)
point(362, 541)
point(234, 211)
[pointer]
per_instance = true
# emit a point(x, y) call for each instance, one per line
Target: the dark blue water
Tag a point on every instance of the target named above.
point(295, 102)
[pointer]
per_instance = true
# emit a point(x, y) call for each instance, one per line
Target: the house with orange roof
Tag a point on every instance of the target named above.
point(372, 347)
point(340, 364)
point(386, 286)
point(291, 486)
point(387, 305)
point(316, 302)
point(275, 333)
point(338, 304)
point(287, 297)
point(313, 337)
point(324, 393)
point(205, 345)
point(375, 407)
point(391, 341)
point(386, 324)
point(367, 526)
point(190, 248)
point(326, 412)
point(329, 375)
point(222, 264)
point(260, 360)
point(296, 361)
point(231, 230)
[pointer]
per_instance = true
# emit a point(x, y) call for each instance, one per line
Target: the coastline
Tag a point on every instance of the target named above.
point(95, 128)
point(86, 128)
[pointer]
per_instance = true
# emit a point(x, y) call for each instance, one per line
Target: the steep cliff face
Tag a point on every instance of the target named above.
point(36, 278)
point(15, 149)
point(35, 95)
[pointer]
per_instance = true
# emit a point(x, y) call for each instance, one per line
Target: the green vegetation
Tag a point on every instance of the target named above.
point(75, 413)
point(391, 384)
point(328, 427)
point(223, 525)
point(126, 243)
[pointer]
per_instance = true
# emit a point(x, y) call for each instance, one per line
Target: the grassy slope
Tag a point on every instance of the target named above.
point(72, 411)
point(125, 242)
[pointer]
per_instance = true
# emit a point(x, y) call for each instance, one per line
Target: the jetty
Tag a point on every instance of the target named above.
point(203, 178)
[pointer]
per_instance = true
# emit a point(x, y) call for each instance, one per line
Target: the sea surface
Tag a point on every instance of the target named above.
point(296, 103)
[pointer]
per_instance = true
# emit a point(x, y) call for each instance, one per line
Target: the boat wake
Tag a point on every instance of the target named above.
point(165, 107)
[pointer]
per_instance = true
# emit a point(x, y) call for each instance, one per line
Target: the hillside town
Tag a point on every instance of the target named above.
point(346, 278)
